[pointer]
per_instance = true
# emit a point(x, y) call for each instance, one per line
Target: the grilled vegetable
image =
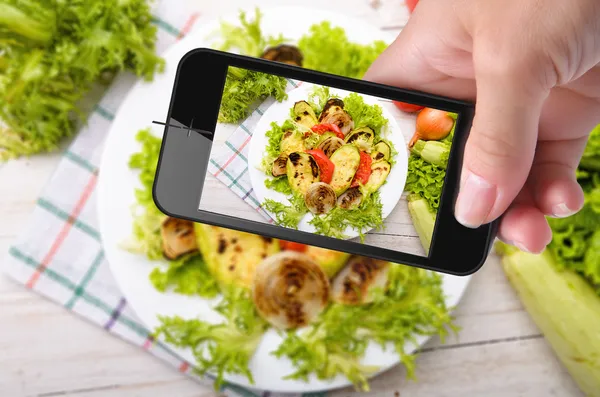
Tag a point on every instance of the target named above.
point(284, 53)
point(346, 160)
point(381, 151)
point(302, 171)
point(291, 141)
point(350, 199)
point(326, 167)
point(290, 290)
point(379, 173)
point(362, 137)
point(319, 198)
point(355, 282)
point(292, 246)
point(364, 170)
point(330, 261)
point(334, 113)
point(323, 128)
point(178, 237)
point(330, 145)
point(565, 308)
point(280, 166)
point(232, 256)
point(304, 114)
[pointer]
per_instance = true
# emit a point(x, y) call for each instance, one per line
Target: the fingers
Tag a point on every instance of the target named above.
point(524, 225)
point(553, 181)
point(500, 149)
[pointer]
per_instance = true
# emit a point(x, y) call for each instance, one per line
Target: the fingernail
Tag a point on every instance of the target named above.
point(562, 211)
point(475, 201)
point(520, 246)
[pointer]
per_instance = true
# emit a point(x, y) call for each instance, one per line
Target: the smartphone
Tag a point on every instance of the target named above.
point(312, 158)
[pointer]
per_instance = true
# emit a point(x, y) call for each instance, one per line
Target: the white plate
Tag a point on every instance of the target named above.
point(150, 101)
point(390, 193)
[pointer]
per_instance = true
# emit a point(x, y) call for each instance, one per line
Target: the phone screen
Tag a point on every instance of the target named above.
point(329, 162)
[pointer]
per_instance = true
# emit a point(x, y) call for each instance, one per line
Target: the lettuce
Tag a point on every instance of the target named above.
point(244, 88)
point(425, 179)
point(327, 49)
point(364, 115)
point(187, 276)
point(412, 305)
point(54, 52)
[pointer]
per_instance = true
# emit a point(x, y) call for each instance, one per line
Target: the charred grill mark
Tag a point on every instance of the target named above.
point(313, 166)
point(294, 158)
point(266, 239)
point(222, 245)
point(238, 249)
point(231, 268)
point(379, 156)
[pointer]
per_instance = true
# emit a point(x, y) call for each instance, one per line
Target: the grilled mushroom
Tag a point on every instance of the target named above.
point(350, 199)
point(334, 113)
point(178, 237)
point(290, 289)
point(353, 284)
point(279, 165)
point(320, 198)
point(330, 145)
point(284, 53)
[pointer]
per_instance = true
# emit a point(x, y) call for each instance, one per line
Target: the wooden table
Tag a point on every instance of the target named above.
point(46, 351)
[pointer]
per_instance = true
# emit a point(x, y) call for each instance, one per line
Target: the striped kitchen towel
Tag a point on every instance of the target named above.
point(60, 254)
point(229, 162)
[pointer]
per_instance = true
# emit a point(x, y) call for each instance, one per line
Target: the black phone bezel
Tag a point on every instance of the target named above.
point(190, 124)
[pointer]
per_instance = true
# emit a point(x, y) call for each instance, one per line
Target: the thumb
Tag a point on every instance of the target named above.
point(501, 146)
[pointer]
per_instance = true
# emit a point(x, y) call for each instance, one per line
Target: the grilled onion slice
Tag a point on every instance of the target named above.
point(353, 284)
point(320, 198)
point(279, 166)
point(290, 290)
point(350, 199)
point(330, 145)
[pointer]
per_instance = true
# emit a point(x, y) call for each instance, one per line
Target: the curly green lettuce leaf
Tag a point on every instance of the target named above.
point(188, 275)
point(248, 39)
point(368, 215)
point(221, 348)
point(318, 97)
point(287, 215)
point(364, 115)
point(576, 240)
point(280, 184)
point(53, 53)
point(412, 305)
point(246, 88)
point(327, 49)
point(147, 218)
point(425, 179)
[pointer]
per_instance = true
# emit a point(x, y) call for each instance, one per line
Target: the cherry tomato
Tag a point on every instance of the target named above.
point(292, 246)
point(325, 165)
point(408, 107)
point(321, 128)
point(364, 170)
point(411, 4)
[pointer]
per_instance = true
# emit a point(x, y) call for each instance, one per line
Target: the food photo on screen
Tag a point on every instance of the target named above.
point(331, 162)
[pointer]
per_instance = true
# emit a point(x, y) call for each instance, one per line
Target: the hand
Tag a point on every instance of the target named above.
point(534, 68)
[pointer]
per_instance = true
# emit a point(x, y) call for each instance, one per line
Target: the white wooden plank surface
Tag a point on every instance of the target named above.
point(46, 351)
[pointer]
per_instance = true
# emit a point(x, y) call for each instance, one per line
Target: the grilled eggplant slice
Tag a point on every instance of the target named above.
point(334, 113)
point(302, 171)
point(379, 173)
point(346, 160)
point(291, 141)
point(284, 53)
point(381, 151)
point(330, 145)
point(178, 237)
point(355, 282)
point(362, 134)
point(290, 290)
point(350, 199)
point(320, 198)
point(304, 114)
